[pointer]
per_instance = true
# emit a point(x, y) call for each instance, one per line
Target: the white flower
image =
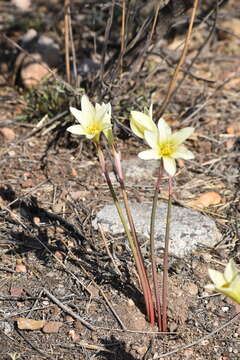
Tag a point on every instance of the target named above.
point(227, 283)
point(93, 120)
point(167, 146)
point(142, 121)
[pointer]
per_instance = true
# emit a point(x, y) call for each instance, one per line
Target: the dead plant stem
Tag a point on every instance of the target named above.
point(66, 36)
point(180, 63)
point(67, 309)
point(123, 45)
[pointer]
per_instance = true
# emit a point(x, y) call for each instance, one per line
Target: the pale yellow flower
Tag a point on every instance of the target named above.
point(93, 120)
point(142, 121)
point(167, 145)
point(227, 283)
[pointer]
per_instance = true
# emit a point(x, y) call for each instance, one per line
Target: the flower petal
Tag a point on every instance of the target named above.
point(183, 153)
point(109, 135)
point(76, 113)
point(180, 136)
point(93, 136)
point(151, 111)
point(83, 118)
point(136, 130)
point(141, 122)
point(87, 107)
point(217, 278)
point(103, 112)
point(76, 130)
point(151, 139)
point(164, 130)
point(169, 165)
point(140, 117)
point(230, 271)
point(210, 287)
point(149, 155)
point(234, 290)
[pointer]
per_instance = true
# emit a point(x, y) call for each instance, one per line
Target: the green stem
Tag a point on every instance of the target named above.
point(152, 248)
point(132, 240)
point(165, 259)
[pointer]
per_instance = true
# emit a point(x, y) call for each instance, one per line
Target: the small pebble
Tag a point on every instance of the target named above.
point(21, 268)
point(69, 318)
point(192, 289)
point(225, 308)
point(36, 220)
point(130, 303)
point(141, 350)
point(74, 336)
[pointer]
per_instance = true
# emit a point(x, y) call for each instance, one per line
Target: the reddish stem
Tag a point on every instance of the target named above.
point(139, 261)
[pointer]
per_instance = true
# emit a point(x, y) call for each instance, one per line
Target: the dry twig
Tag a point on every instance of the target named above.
point(68, 310)
point(66, 35)
point(180, 63)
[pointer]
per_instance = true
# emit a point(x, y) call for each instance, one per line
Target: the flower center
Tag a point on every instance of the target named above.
point(94, 129)
point(166, 149)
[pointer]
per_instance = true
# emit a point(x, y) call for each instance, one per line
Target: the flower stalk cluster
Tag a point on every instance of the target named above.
point(164, 146)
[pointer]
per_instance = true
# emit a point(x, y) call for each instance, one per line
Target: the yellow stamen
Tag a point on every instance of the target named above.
point(166, 149)
point(93, 129)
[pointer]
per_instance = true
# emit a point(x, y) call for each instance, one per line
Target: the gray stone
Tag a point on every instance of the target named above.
point(189, 228)
point(137, 170)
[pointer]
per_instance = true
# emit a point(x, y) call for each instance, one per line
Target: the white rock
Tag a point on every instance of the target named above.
point(137, 169)
point(23, 5)
point(49, 50)
point(29, 36)
point(189, 228)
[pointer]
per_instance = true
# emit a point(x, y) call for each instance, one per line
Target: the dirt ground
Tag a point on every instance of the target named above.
point(54, 266)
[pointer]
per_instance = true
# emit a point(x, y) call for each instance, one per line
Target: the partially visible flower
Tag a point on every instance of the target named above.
point(227, 283)
point(167, 146)
point(142, 121)
point(93, 120)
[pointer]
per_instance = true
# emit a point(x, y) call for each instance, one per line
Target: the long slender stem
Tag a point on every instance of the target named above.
point(152, 248)
point(165, 259)
point(146, 289)
point(132, 241)
point(140, 257)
